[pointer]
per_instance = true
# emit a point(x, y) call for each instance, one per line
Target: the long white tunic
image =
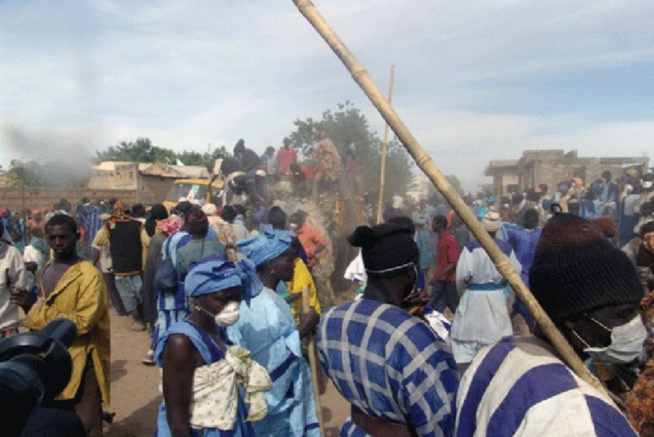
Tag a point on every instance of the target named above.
point(482, 315)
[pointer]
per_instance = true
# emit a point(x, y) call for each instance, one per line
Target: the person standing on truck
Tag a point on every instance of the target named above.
point(247, 158)
point(286, 157)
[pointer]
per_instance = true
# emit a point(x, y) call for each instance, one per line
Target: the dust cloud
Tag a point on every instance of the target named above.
point(64, 155)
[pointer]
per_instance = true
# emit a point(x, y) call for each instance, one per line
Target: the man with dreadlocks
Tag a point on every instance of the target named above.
point(128, 248)
point(391, 366)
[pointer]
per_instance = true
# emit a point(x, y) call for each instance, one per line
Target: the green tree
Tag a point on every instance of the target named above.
point(206, 159)
point(141, 150)
point(27, 172)
point(191, 157)
point(349, 130)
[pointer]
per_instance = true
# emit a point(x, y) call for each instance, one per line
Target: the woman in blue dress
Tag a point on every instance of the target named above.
point(204, 379)
point(268, 329)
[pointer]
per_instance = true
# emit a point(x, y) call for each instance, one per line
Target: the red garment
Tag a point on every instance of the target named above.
point(307, 172)
point(285, 157)
point(448, 252)
point(310, 239)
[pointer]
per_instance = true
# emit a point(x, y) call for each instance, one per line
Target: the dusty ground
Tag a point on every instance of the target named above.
point(135, 388)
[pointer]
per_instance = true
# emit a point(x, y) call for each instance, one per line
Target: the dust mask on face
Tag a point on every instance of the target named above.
point(228, 316)
point(414, 290)
point(626, 342)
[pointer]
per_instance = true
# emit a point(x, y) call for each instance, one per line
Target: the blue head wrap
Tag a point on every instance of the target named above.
point(266, 246)
point(211, 274)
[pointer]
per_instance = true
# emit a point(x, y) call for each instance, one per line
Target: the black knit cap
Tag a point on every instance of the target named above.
point(576, 270)
point(385, 246)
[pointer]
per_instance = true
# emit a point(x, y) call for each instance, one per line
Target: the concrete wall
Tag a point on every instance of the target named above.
point(123, 177)
point(509, 179)
point(44, 197)
point(154, 189)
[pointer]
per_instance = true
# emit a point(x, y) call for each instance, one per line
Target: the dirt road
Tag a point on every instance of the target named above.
point(135, 388)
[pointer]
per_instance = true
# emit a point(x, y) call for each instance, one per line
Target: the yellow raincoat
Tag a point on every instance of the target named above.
point(80, 296)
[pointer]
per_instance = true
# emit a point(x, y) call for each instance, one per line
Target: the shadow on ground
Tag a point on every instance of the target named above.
point(117, 370)
point(134, 425)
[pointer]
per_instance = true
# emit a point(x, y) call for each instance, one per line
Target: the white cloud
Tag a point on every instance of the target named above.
point(475, 80)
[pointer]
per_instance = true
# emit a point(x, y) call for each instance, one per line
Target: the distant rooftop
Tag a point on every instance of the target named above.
point(503, 163)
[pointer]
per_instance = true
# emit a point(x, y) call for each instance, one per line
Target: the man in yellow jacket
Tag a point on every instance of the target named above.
point(72, 288)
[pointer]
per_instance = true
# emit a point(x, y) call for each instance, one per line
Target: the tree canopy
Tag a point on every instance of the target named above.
point(28, 173)
point(349, 130)
point(142, 150)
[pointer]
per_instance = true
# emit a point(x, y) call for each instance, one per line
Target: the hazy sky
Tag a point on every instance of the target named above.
point(475, 80)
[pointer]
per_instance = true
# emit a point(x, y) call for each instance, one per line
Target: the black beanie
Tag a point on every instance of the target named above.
point(576, 270)
point(385, 246)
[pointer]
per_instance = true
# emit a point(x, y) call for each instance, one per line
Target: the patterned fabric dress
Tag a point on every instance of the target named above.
point(640, 402)
point(328, 158)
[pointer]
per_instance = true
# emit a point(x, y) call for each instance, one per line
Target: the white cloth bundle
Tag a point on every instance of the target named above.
point(215, 390)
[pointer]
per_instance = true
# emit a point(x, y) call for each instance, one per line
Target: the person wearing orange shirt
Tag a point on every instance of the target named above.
point(285, 157)
point(312, 240)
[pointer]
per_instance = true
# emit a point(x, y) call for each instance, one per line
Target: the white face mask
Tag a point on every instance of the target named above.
point(626, 342)
point(228, 316)
point(647, 184)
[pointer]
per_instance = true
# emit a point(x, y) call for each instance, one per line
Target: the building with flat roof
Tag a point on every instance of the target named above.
point(150, 182)
point(552, 166)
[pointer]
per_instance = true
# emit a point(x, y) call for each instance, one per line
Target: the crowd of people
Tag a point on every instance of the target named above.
point(317, 173)
point(166, 272)
point(427, 347)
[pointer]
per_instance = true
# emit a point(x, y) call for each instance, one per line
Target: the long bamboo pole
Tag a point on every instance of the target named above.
point(427, 165)
point(382, 178)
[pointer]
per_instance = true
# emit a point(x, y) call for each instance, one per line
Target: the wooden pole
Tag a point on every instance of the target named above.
point(427, 165)
point(313, 364)
point(382, 179)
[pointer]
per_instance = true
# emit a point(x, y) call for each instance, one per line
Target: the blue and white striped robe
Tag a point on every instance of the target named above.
point(390, 365)
point(518, 387)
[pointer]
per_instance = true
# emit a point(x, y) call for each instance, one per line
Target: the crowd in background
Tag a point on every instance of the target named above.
point(182, 274)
